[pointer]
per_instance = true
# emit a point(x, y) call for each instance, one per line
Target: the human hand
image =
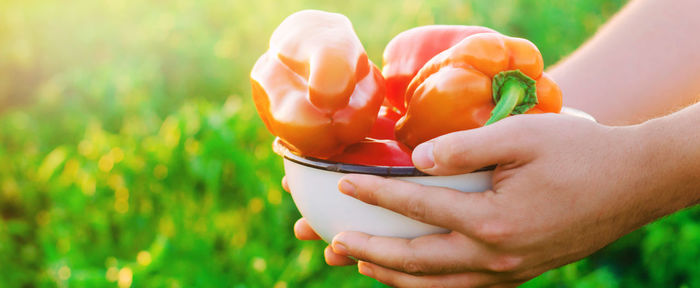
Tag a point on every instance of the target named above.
point(564, 188)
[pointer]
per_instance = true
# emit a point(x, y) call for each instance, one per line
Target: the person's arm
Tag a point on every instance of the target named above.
point(643, 63)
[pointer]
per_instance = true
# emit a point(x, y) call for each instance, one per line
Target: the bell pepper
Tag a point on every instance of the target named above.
point(374, 152)
point(406, 53)
point(480, 80)
point(315, 88)
point(383, 128)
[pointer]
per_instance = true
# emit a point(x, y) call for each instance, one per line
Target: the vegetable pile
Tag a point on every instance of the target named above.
point(316, 89)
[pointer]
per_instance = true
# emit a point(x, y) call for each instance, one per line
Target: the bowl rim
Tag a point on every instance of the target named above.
point(279, 147)
point(402, 171)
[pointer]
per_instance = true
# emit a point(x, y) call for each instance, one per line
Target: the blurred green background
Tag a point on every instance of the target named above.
point(131, 154)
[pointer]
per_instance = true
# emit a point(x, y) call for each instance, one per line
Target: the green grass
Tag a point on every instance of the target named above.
point(131, 154)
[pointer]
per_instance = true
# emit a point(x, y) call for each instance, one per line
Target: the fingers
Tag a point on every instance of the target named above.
point(439, 206)
point(465, 151)
point(285, 185)
point(398, 279)
point(336, 259)
point(431, 254)
point(303, 231)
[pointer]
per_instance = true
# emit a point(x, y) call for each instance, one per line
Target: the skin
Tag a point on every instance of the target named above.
point(642, 64)
point(555, 201)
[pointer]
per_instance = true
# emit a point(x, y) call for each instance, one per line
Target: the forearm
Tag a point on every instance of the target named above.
point(644, 63)
point(671, 158)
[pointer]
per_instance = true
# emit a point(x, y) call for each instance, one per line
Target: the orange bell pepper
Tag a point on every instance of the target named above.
point(406, 53)
point(482, 79)
point(315, 88)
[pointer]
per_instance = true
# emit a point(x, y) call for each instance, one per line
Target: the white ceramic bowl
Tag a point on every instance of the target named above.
point(314, 188)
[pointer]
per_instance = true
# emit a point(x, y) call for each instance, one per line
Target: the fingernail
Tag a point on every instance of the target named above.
point(423, 156)
point(347, 187)
point(339, 248)
point(364, 269)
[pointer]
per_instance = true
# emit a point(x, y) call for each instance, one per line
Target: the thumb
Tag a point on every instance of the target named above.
point(465, 151)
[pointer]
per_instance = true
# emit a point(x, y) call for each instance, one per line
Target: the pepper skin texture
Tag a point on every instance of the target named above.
point(406, 53)
point(454, 92)
point(315, 88)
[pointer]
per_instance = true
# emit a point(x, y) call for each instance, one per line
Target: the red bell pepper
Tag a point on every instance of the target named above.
point(406, 53)
point(383, 128)
point(373, 152)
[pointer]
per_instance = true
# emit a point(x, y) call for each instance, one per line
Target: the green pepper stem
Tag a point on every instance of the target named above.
point(512, 94)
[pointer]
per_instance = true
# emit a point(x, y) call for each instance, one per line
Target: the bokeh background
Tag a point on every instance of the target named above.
point(131, 153)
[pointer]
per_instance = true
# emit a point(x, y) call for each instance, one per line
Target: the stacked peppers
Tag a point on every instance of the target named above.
point(316, 89)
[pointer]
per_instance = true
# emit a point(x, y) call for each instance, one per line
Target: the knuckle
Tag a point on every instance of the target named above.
point(493, 233)
point(504, 264)
point(364, 251)
point(370, 195)
point(382, 190)
point(415, 208)
point(411, 266)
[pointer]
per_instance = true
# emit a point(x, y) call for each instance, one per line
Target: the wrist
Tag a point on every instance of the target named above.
point(669, 154)
point(633, 177)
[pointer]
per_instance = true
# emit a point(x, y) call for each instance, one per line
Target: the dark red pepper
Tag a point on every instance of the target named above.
point(373, 152)
point(383, 128)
